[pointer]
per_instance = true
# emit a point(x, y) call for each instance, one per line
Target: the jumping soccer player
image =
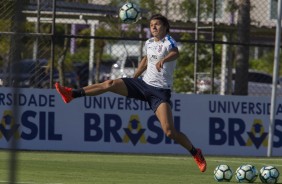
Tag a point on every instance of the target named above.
point(155, 88)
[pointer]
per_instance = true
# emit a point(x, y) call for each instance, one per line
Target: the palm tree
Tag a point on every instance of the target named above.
point(242, 52)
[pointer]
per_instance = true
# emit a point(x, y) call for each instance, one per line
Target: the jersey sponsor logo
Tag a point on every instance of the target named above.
point(154, 57)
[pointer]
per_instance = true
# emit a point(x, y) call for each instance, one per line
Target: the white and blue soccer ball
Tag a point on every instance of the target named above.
point(256, 173)
point(223, 173)
point(246, 174)
point(129, 13)
point(269, 174)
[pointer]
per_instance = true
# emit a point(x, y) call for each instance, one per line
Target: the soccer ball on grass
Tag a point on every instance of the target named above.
point(223, 173)
point(246, 174)
point(269, 174)
point(129, 13)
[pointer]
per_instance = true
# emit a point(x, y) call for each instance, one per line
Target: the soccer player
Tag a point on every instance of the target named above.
point(155, 88)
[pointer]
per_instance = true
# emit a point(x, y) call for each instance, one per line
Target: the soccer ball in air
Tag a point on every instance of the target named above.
point(223, 173)
point(269, 174)
point(246, 174)
point(129, 13)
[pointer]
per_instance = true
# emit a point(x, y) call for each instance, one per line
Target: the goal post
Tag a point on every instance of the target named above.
point(275, 77)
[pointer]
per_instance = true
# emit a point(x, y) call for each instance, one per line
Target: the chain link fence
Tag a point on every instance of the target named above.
point(222, 42)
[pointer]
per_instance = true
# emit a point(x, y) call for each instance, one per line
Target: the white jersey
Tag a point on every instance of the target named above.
point(156, 51)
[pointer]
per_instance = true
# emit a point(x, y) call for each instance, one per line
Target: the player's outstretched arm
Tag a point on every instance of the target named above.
point(141, 67)
point(172, 55)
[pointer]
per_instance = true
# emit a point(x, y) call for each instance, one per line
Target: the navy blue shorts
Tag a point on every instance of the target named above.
point(138, 89)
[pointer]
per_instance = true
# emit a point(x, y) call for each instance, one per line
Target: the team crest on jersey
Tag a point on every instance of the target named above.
point(160, 48)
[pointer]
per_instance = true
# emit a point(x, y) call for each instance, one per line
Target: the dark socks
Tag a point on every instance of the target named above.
point(193, 151)
point(78, 93)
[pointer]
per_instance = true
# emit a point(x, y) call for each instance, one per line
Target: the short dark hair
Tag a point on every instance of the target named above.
point(163, 19)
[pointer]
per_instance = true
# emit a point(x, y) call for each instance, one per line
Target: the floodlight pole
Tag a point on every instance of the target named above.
point(196, 45)
point(275, 76)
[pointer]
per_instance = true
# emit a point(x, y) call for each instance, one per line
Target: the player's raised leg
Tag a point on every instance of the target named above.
point(116, 86)
point(165, 117)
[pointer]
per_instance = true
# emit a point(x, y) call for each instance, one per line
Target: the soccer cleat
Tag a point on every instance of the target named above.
point(200, 160)
point(65, 92)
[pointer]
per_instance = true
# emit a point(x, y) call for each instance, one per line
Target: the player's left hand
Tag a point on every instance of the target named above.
point(159, 65)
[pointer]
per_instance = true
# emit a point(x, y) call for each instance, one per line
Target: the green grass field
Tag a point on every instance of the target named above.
point(94, 168)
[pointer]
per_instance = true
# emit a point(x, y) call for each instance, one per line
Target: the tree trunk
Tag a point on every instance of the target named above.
point(242, 52)
point(97, 68)
point(99, 53)
point(16, 43)
point(62, 57)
